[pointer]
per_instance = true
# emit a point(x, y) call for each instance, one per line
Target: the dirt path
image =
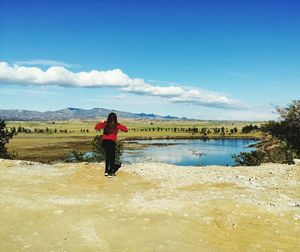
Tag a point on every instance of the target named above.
point(148, 207)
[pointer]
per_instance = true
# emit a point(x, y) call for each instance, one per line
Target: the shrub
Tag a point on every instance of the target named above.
point(248, 128)
point(280, 153)
point(5, 136)
point(76, 156)
point(287, 129)
point(283, 143)
point(249, 158)
point(99, 153)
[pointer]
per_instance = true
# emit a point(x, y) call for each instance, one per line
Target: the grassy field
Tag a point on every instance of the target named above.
point(62, 137)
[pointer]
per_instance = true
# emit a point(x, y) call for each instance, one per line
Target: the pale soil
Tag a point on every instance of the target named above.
point(148, 207)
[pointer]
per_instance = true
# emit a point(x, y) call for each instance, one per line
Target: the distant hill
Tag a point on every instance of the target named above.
point(74, 113)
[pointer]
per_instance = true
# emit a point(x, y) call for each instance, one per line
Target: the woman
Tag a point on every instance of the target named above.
point(110, 128)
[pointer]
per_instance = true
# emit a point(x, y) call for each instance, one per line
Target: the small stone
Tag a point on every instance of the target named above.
point(296, 217)
point(59, 211)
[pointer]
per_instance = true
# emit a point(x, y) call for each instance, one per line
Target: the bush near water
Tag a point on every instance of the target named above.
point(98, 154)
point(282, 141)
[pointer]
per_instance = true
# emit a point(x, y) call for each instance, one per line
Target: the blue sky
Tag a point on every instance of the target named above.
point(199, 59)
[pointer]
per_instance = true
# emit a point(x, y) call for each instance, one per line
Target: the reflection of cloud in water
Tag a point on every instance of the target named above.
point(172, 155)
point(167, 154)
point(188, 152)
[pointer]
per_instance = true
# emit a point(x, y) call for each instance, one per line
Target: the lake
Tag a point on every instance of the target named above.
point(195, 152)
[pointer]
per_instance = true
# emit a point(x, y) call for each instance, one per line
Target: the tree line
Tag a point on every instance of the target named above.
point(194, 130)
point(248, 128)
point(46, 130)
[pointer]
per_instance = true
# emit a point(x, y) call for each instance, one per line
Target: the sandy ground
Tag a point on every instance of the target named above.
point(148, 207)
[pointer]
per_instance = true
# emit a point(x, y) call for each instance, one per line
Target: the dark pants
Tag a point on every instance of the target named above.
point(110, 153)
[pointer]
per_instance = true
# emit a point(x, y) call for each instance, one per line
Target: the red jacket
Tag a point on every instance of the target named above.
point(112, 136)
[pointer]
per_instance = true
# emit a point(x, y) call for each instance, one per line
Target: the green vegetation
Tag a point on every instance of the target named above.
point(141, 129)
point(249, 128)
point(52, 141)
point(5, 136)
point(98, 153)
point(282, 144)
point(249, 158)
point(287, 130)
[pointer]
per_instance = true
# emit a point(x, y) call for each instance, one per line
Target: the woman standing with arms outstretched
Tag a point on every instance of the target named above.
point(110, 128)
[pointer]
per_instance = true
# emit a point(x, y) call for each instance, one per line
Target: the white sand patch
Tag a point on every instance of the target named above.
point(88, 200)
point(90, 236)
point(261, 178)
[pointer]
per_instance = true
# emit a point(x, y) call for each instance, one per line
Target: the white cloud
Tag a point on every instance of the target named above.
point(163, 82)
point(60, 76)
point(45, 62)
point(30, 92)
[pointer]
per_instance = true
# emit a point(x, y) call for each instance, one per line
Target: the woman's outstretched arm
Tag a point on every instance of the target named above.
point(122, 127)
point(99, 125)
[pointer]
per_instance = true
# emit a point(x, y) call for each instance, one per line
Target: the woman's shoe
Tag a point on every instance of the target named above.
point(117, 167)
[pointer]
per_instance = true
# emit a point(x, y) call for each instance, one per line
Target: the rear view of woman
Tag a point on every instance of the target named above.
point(110, 128)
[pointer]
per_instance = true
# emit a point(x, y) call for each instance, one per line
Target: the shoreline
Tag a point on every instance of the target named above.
point(191, 138)
point(51, 148)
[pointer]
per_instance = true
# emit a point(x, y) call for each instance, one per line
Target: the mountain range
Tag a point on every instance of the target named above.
point(75, 113)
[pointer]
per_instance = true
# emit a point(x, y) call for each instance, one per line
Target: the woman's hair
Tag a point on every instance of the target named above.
point(111, 124)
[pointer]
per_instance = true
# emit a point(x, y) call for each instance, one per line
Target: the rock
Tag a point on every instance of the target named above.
point(296, 217)
point(297, 162)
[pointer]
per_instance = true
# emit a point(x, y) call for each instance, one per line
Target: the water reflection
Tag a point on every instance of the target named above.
point(189, 152)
